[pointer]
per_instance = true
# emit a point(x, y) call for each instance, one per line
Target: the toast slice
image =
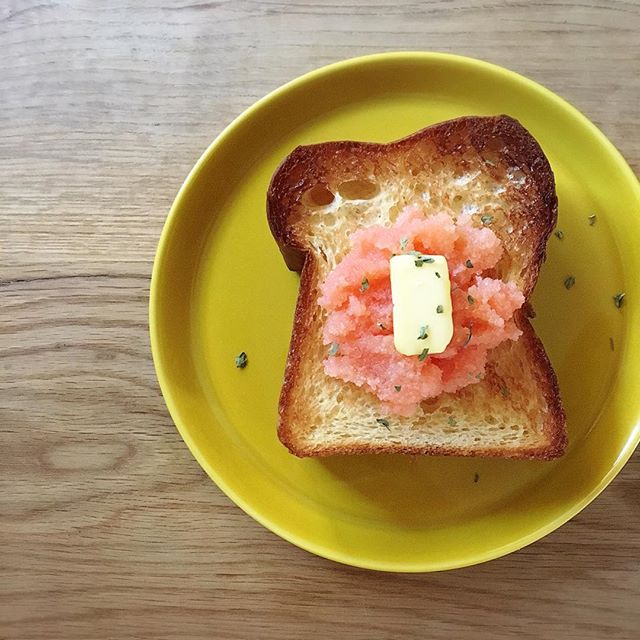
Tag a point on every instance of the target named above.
point(321, 193)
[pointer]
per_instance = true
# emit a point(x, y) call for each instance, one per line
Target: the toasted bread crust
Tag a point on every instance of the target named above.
point(309, 165)
point(331, 162)
point(302, 320)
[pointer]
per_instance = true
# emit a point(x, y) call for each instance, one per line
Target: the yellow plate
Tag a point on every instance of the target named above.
point(220, 287)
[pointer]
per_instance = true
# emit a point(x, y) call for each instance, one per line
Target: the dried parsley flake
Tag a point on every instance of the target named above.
point(241, 360)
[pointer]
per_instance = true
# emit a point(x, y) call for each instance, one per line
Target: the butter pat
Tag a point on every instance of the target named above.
point(421, 295)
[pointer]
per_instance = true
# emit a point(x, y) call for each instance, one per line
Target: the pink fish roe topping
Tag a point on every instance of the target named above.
point(359, 318)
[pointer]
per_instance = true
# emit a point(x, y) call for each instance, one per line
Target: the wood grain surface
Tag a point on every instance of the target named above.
point(109, 528)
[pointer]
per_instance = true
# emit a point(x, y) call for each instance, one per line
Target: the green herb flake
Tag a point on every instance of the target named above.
point(420, 260)
point(423, 335)
point(383, 423)
point(452, 421)
point(241, 360)
point(466, 342)
point(559, 234)
point(486, 220)
point(438, 274)
point(476, 477)
point(569, 281)
point(397, 387)
point(439, 309)
point(592, 219)
point(364, 285)
point(403, 243)
point(470, 299)
point(423, 355)
point(468, 264)
point(504, 391)
point(333, 349)
point(618, 300)
point(611, 344)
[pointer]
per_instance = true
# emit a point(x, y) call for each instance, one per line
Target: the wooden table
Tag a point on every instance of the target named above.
point(109, 527)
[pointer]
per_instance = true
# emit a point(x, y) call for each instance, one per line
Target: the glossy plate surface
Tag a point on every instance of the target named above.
point(221, 287)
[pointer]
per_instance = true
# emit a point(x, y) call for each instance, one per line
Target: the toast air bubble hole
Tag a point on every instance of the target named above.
point(318, 196)
point(358, 189)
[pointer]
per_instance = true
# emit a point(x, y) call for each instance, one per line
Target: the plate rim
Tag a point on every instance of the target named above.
point(302, 542)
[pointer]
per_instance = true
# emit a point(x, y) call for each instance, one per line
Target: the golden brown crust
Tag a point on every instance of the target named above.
point(501, 140)
point(503, 144)
point(554, 422)
point(302, 321)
